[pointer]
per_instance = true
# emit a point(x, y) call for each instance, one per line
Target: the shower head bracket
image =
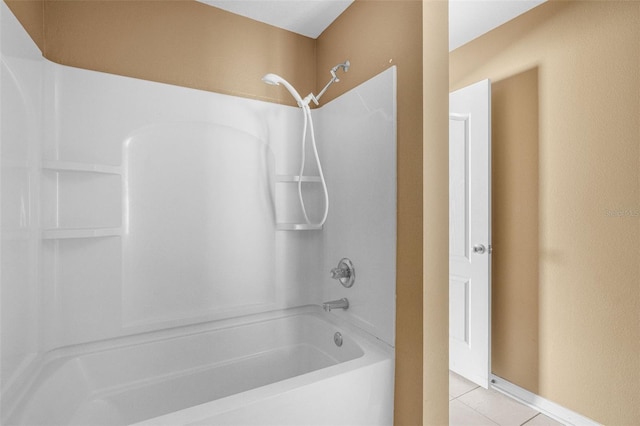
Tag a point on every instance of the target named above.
point(334, 78)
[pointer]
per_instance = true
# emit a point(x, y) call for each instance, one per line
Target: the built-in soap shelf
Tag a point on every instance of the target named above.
point(297, 227)
point(296, 179)
point(80, 200)
point(71, 166)
point(66, 233)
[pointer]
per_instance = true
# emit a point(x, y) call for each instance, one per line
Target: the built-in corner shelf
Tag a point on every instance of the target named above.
point(296, 179)
point(297, 227)
point(67, 233)
point(71, 166)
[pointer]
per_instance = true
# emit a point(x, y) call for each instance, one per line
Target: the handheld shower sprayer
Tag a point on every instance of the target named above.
point(276, 80)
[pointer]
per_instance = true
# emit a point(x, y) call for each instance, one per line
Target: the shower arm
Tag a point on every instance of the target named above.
point(316, 98)
point(334, 78)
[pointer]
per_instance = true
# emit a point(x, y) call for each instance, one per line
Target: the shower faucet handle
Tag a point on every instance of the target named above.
point(344, 272)
point(337, 273)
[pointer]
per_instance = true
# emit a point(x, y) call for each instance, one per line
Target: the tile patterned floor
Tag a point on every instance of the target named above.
point(471, 405)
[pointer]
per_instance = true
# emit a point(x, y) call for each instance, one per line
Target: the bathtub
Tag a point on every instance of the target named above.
point(276, 368)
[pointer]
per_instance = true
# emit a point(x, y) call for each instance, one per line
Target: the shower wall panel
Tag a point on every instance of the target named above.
point(159, 210)
point(21, 72)
point(357, 137)
point(193, 227)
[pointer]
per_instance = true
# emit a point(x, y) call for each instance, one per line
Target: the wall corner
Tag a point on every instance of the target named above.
point(435, 55)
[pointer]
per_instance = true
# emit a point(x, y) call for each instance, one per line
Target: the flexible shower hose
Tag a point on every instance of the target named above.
point(307, 119)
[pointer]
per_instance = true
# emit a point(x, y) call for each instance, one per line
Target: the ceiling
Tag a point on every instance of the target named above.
point(307, 17)
point(468, 19)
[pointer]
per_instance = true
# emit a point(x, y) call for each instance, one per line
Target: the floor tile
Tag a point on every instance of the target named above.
point(462, 415)
point(459, 385)
point(498, 407)
point(542, 420)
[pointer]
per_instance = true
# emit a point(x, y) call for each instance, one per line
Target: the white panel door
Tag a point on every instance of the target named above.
point(470, 231)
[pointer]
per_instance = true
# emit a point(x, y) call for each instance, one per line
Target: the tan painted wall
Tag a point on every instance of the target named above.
point(515, 207)
point(193, 45)
point(585, 227)
point(179, 42)
point(435, 101)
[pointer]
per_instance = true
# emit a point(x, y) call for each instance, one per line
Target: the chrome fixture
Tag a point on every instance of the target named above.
point(336, 304)
point(334, 78)
point(344, 272)
point(337, 339)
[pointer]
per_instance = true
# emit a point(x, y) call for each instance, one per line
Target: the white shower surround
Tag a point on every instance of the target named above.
point(79, 149)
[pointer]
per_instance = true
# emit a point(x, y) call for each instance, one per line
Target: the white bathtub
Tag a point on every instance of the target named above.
point(278, 368)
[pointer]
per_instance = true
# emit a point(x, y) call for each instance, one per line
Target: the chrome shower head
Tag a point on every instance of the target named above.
point(276, 80)
point(345, 67)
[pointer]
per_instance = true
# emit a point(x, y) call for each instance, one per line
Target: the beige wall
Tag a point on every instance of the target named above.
point(578, 64)
point(190, 44)
point(515, 218)
point(435, 101)
point(179, 42)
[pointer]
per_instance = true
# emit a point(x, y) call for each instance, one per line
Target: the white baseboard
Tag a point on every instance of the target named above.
point(546, 407)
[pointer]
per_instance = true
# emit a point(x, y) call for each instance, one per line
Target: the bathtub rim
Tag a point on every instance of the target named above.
point(205, 327)
point(375, 351)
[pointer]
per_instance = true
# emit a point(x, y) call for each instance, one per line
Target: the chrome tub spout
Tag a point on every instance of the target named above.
point(336, 304)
